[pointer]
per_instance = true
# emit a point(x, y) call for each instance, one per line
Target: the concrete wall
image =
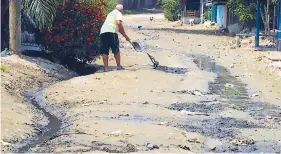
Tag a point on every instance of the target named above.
point(132, 4)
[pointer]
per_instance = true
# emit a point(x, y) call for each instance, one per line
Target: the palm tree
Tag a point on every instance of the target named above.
point(41, 11)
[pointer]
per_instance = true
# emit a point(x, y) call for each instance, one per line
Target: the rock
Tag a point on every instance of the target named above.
point(146, 102)
point(213, 148)
point(255, 94)
point(197, 93)
point(269, 117)
point(163, 123)
point(152, 146)
point(232, 66)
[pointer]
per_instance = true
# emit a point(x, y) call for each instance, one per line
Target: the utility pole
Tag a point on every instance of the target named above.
point(278, 43)
point(258, 16)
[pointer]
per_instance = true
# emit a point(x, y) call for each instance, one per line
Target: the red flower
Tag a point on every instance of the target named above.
point(76, 5)
point(88, 39)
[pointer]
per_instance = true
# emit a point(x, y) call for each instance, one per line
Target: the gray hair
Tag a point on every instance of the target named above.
point(119, 7)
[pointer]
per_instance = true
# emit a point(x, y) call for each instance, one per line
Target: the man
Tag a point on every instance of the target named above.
point(109, 36)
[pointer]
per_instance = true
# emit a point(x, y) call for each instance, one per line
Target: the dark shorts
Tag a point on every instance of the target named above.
point(109, 40)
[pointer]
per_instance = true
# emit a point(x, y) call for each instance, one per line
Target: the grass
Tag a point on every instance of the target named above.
point(4, 67)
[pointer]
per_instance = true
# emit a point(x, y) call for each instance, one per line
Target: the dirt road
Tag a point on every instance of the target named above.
point(205, 97)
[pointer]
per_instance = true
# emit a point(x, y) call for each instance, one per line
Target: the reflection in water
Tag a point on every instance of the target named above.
point(233, 90)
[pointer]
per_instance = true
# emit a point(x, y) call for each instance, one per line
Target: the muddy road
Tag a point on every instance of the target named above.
point(204, 97)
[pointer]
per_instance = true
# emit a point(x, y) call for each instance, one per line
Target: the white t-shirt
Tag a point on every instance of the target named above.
point(109, 24)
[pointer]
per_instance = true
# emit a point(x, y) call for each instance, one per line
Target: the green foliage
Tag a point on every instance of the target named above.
point(75, 33)
point(43, 12)
point(171, 9)
point(208, 14)
point(246, 11)
point(110, 4)
point(4, 68)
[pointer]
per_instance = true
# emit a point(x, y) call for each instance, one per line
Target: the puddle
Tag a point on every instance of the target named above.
point(131, 117)
point(210, 107)
point(234, 91)
point(48, 131)
point(233, 94)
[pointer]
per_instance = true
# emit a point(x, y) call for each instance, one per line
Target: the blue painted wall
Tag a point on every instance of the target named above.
point(219, 14)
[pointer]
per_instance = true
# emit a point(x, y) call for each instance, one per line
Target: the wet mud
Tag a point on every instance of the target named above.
point(46, 133)
point(233, 95)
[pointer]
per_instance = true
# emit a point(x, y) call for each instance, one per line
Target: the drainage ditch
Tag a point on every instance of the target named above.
point(48, 131)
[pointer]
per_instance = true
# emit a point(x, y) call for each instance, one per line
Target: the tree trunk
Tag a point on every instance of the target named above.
point(264, 18)
point(14, 25)
point(274, 19)
point(267, 18)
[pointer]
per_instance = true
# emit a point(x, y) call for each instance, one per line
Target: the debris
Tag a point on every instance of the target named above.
point(116, 133)
point(146, 102)
point(242, 142)
point(269, 117)
point(229, 85)
point(197, 93)
point(123, 115)
point(193, 113)
point(259, 59)
point(184, 147)
point(194, 140)
point(255, 95)
point(163, 123)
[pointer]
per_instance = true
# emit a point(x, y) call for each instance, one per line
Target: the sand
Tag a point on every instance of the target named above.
point(132, 110)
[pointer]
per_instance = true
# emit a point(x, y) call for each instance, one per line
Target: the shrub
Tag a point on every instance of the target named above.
point(171, 9)
point(74, 36)
point(4, 68)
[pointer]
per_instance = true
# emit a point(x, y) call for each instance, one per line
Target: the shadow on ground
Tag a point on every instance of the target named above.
point(185, 31)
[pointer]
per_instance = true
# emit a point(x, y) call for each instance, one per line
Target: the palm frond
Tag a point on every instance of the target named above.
point(43, 12)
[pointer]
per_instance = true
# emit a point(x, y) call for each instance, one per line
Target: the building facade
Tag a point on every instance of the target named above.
point(138, 4)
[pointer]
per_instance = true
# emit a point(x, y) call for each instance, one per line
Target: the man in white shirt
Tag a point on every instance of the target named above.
point(109, 36)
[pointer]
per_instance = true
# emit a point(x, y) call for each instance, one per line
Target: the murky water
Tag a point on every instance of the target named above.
point(233, 94)
point(234, 91)
point(48, 131)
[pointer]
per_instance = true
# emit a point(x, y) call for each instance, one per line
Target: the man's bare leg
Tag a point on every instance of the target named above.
point(118, 59)
point(105, 61)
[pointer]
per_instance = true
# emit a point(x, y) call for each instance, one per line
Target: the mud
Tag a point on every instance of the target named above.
point(233, 94)
point(47, 132)
point(174, 70)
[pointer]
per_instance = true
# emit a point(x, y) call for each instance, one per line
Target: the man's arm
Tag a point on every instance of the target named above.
point(121, 29)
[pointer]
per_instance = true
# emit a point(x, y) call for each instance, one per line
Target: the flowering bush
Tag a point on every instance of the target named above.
point(75, 31)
